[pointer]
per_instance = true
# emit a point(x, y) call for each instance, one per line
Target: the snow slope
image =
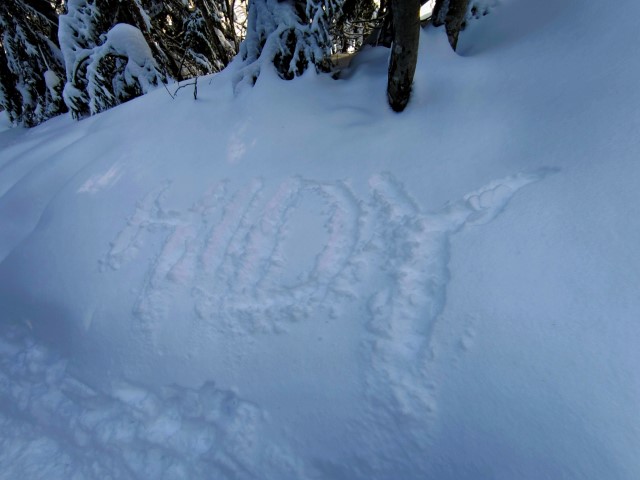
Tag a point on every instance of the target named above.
point(295, 282)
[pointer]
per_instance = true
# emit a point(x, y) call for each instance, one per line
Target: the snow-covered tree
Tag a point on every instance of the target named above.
point(10, 98)
point(31, 65)
point(115, 50)
point(119, 69)
point(106, 63)
point(79, 34)
point(194, 37)
point(358, 19)
point(290, 35)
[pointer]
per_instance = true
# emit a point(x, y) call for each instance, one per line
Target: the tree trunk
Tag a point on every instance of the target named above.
point(451, 14)
point(454, 20)
point(439, 13)
point(404, 51)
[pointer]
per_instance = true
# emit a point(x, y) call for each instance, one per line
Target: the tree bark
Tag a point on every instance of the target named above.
point(454, 20)
point(404, 51)
point(451, 14)
point(439, 13)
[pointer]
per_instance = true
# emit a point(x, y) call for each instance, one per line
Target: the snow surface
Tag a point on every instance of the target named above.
point(295, 282)
point(127, 40)
point(5, 124)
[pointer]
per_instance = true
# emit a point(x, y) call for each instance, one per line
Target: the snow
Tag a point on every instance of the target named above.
point(5, 123)
point(52, 80)
point(295, 282)
point(127, 40)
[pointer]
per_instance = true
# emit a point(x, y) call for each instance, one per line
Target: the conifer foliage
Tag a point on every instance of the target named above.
point(290, 35)
point(107, 61)
point(359, 18)
point(90, 55)
point(193, 38)
point(31, 65)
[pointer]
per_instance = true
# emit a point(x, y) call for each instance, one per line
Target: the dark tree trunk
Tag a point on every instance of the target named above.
point(454, 20)
point(404, 51)
point(451, 14)
point(439, 12)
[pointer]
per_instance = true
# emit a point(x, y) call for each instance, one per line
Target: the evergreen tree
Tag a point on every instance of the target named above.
point(79, 34)
point(31, 65)
point(10, 98)
point(193, 38)
point(107, 60)
point(357, 20)
point(172, 38)
point(291, 36)
point(120, 69)
point(382, 33)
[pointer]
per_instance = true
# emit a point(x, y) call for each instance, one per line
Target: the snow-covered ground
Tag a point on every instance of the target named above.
point(292, 281)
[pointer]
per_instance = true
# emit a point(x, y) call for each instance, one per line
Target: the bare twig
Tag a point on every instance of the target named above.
point(195, 88)
point(167, 89)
